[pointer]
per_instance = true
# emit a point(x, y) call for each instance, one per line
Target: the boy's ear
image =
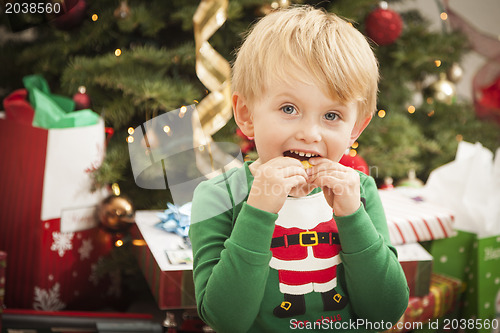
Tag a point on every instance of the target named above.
point(242, 114)
point(358, 128)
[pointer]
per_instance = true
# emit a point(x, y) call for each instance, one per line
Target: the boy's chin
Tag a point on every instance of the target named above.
point(302, 190)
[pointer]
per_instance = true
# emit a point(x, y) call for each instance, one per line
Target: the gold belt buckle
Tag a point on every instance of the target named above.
point(314, 238)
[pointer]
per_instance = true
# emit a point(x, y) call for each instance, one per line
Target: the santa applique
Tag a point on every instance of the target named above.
point(305, 248)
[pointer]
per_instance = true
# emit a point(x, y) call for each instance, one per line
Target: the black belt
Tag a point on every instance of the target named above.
point(306, 238)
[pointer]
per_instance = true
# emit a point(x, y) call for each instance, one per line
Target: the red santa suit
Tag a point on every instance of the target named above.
point(306, 246)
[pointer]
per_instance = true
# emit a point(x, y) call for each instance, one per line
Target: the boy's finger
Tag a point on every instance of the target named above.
point(293, 170)
point(319, 171)
point(294, 181)
point(318, 160)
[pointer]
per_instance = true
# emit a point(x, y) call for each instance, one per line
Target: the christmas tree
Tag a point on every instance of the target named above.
point(138, 59)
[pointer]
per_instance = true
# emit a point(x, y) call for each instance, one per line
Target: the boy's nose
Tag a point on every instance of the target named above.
point(308, 133)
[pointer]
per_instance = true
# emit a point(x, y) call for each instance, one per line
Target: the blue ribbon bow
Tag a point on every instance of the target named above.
point(176, 219)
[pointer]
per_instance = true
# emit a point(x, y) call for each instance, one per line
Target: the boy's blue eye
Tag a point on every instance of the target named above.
point(330, 116)
point(288, 109)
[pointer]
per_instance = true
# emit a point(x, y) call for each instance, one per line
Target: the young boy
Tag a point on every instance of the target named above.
point(296, 240)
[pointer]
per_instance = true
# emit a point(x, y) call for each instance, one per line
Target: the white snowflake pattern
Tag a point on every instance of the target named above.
point(48, 300)
point(85, 249)
point(63, 241)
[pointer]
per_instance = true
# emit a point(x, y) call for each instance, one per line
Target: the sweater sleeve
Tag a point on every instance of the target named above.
point(231, 264)
point(374, 278)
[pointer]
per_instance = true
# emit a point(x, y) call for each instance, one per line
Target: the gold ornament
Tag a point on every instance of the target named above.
point(442, 91)
point(455, 73)
point(123, 11)
point(116, 213)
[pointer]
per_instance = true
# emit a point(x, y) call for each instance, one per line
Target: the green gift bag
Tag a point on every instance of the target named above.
point(470, 187)
point(475, 261)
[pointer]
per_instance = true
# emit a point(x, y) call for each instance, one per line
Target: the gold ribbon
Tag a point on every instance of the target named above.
point(212, 69)
point(215, 110)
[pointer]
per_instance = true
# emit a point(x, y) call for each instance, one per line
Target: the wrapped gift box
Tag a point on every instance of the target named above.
point(442, 299)
point(411, 219)
point(417, 266)
point(166, 261)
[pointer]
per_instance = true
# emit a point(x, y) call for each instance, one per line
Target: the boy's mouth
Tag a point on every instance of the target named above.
point(299, 155)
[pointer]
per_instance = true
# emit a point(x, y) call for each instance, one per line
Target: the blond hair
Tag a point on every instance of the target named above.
point(328, 51)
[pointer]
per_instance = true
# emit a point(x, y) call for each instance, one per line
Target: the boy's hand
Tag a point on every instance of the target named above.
point(339, 183)
point(273, 181)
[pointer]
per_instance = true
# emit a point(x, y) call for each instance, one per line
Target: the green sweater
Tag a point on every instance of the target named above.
point(238, 291)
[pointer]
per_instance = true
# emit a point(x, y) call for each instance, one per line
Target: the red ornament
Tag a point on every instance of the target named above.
point(486, 85)
point(71, 15)
point(356, 162)
point(81, 99)
point(489, 103)
point(383, 25)
point(491, 95)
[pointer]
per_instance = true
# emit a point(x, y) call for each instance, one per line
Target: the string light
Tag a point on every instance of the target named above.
point(411, 109)
point(182, 111)
point(437, 62)
point(443, 16)
point(130, 130)
point(119, 243)
point(115, 188)
point(95, 17)
point(355, 145)
point(381, 113)
point(431, 113)
point(167, 130)
point(353, 152)
point(130, 139)
point(118, 52)
point(139, 242)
